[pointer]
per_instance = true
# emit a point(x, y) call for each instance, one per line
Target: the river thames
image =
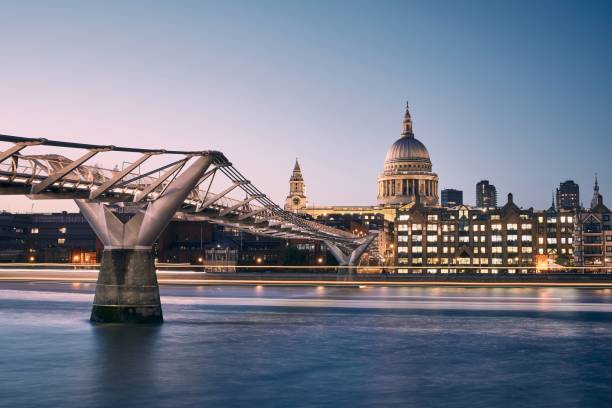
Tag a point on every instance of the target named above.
point(311, 346)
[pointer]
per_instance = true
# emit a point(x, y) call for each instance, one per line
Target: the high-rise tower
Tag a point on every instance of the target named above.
point(296, 200)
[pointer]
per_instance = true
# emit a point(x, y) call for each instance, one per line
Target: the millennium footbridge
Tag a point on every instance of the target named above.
point(129, 206)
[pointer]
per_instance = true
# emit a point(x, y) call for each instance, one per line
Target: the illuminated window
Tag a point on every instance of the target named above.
point(432, 227)
point(551, 241)
point(62, 230)
point(496, 227)
point(496, 250)
point(526, 250)
point(404, 217)
point(432, 218)
point(402, 238)
point(540, 240)
point(526, 238)
point(432, 238)
point(482, 227)
point(541, 251)
point(402, 227)
point(445, 250)
point(432, 250)
point(570, 219)
point(34, 231)
point(417, 227)
point(526, 226)
point(464, 239)
point(496, 261)
point(496, 238)
point(445, 228)
point(402, 249)
point(61, 241)
point(417, 249)
point(475, 228)
point(540, 219)
point(417, 238)
point(563, 219)
point(511, 226)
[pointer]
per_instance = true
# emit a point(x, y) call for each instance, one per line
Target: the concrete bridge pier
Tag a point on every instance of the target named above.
point(352, 259)
point(127, 289)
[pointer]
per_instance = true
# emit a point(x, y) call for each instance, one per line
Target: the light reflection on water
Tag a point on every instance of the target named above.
point(278, 355)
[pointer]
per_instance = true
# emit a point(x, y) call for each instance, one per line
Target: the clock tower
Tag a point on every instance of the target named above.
point(296, 200)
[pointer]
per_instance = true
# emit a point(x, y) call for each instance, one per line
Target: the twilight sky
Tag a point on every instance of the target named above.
point(519, 93)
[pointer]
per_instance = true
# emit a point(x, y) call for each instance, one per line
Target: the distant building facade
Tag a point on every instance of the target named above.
point(568, 195)
point(486, 195)
point(451, 197)
point(485, 240)
point(594, 234)
point(53, 237)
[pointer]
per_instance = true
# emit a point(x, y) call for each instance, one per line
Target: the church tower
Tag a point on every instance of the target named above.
point(296, 200)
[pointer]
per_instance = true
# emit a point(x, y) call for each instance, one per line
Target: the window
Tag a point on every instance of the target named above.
point(404, 217)
point(61, 241)
point(464, 239)
point(482, 227)
point(417, 238)
point(562, 219)
point(445, 250)
point(432, 238)
point(62, 230)
point(445, 227)
point(526, 238)
point(402, 238)
point(496, 227)
point(511, 226)
point(541, 240)
point(512, 237)
point(496, 261)
point(432, 250)
point(570, 219)
point(34, 231)
point(432, 218)
point(496, 238)
point(402, 227)
point(526, 250)
point(512, 249)
point(551, 241)
point(526, 226)
point(402, 249)
point(496, 250)
point(417, 249)
point(417, 227)
point(475, 228)
point(432, 227)
point(540, 219)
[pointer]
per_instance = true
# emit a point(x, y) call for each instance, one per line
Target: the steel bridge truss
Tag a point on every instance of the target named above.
point(132, 188)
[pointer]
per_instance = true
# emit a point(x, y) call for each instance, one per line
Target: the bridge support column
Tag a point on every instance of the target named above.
point(351, 259)
point(127, 289)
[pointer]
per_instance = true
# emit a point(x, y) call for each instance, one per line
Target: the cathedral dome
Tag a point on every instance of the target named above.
point(407, 148)
point(407, 172)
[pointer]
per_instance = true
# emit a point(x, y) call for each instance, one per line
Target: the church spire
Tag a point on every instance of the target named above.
point(595, 199)
point(407, 124)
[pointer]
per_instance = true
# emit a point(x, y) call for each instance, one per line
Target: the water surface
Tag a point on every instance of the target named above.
point(266, 346)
